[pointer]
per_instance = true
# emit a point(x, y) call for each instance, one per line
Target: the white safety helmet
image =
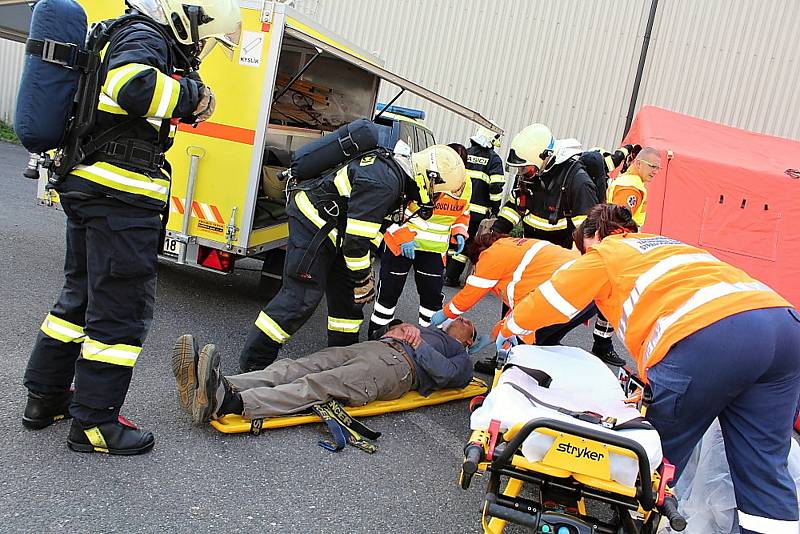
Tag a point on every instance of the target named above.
point(486, 138)
point(565, 149)
point(531, 146)
point(438, 169)
point(203, 23)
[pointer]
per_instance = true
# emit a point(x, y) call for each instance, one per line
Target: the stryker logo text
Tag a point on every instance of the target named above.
point(580, 452)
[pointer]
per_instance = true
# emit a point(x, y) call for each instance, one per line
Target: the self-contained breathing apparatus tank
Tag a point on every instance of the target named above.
point(60, 86)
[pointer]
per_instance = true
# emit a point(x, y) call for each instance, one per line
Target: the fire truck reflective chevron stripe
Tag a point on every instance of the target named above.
point(119, 354)
point(200, 210)
point(120, 179)
point(653, 274)
point(166, 90)
point(701, 297)
point(271, 328)
point(62, 330)
point(350, 326)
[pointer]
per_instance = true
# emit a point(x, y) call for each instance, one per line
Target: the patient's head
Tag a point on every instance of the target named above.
point(462, 330)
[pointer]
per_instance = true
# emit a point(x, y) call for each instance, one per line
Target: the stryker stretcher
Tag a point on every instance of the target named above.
point(575, 453)
point(236, 424)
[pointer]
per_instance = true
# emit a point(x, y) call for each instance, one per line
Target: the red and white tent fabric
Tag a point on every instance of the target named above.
point(732, 192)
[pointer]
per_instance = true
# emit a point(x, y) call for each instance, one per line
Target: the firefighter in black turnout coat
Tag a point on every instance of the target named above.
point(113, 201)
point(485, 170)
point(332, 221)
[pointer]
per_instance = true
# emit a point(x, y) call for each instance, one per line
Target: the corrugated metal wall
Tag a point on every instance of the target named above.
point(565, 63)
point(11, 58)
point(569, 63)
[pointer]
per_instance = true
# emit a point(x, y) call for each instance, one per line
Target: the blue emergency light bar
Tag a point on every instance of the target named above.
point(411, 113)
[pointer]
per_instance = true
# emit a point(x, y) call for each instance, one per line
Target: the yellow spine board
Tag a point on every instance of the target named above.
point(236, 424)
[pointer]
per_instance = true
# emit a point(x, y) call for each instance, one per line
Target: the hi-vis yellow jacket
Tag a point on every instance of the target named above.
point(628, 190)
point(450, 218)
point(654, 290)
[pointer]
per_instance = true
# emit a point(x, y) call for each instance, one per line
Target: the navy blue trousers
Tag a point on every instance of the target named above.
point(745, 370)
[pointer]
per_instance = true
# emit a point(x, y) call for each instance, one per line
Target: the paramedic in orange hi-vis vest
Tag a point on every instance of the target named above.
point(710, 340)
point(511, 268)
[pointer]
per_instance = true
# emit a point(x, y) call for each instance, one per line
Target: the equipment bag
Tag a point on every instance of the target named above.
point(47, 89)
point(333, 150)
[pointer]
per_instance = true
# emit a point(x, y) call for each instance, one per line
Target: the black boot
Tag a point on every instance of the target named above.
point(119, 437)
point(451, 282)
point(44, 410)
point(487, 366)
point(608, 355)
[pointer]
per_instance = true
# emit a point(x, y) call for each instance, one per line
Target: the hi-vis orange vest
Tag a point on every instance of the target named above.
point(654, 290)
point(511, 268)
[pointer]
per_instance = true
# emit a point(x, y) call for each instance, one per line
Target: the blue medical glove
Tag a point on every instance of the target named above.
point(460, 241)
point(502, 340)
point(438, 318)
point(407, 249)
point(481, 342)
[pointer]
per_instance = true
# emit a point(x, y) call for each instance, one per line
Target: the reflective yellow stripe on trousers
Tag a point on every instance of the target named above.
point(348, 326)
point(266, 324)
point(118, 354)
point(62, 330)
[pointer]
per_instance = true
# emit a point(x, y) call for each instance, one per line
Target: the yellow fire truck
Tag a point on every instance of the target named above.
point(289, 82)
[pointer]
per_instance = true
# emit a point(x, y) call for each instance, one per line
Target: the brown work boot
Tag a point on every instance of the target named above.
point(184, 367)
point(210, 392)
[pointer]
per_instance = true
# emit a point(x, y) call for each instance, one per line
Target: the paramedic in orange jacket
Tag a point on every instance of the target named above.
point(511, 268)
point(710, 340)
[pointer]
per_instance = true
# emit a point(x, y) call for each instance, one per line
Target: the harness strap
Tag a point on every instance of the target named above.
point(590, 417)
point(313, 247)
point(345, 419)
point(65, 54)
point(336, 430)
point(543, 379)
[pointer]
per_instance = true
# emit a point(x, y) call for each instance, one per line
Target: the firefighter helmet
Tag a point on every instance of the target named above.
point(531, 146)
point(438, 169)
point(202, 23)
point(486, 138)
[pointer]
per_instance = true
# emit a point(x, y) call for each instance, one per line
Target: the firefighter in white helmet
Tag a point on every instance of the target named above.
point(113, 201)
point(485, 172)
point(423, 243)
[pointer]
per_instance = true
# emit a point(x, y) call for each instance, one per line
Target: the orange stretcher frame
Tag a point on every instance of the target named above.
point(236, 424)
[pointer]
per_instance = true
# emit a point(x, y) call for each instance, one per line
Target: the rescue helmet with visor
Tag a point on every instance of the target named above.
point(200, 24)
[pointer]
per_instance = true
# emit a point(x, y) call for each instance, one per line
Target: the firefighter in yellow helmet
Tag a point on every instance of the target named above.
point(422, 243)
point(552, 192)
point(332, 222)
point(113, 200)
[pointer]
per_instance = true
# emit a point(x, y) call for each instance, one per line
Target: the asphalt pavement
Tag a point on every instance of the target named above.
point(197, 479)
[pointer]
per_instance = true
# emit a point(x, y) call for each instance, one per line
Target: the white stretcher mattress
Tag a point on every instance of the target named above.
point(580, 382)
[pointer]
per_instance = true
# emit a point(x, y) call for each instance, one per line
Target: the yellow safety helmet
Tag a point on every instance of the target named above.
point(438, 169)
point(203, 23)
point(531, 146)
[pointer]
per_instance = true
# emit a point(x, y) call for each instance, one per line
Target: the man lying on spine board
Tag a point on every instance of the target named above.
point(403, 358)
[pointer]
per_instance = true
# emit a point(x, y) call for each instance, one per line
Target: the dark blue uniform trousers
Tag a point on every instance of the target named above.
point(745, 370)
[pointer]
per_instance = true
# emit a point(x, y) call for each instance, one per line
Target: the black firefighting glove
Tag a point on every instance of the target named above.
point(364, 289)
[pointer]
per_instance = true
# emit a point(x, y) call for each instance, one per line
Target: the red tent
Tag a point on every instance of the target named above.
point(732, 192)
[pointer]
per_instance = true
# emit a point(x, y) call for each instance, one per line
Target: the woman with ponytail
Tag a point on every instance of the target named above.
point(711, 341)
